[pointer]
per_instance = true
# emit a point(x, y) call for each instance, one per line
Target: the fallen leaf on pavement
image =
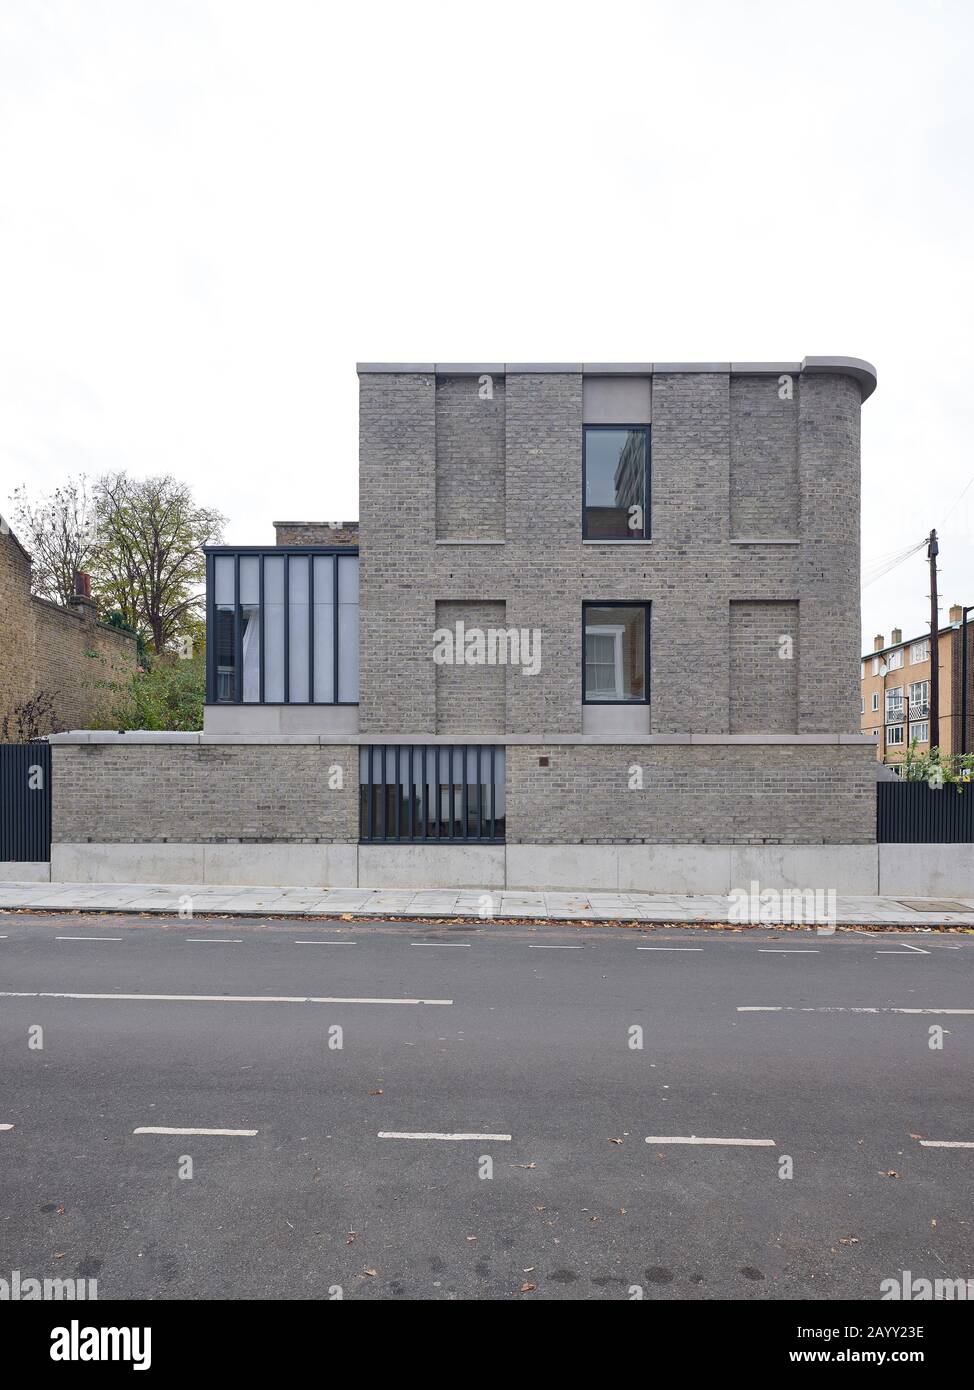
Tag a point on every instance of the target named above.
point(528, 1288)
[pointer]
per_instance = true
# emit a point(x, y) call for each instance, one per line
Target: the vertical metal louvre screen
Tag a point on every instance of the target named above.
point(25, 802)
point(417, 793)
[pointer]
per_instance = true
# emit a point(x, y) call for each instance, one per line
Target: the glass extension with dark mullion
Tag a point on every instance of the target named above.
point(282, 626)
point(432, 793)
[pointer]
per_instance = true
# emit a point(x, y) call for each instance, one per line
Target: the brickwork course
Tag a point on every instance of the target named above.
point(66, 653)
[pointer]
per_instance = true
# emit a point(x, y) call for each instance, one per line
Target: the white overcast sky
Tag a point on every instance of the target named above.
point(210, 209)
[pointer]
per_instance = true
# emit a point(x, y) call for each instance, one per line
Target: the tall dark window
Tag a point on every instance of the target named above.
point(282, 626)
point(615, 471)
point(615, 653)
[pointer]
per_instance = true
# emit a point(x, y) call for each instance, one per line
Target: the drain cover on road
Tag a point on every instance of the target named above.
point(933, 905)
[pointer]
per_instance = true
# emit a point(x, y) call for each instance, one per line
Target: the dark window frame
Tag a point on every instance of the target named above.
point(646, 606)
point(375, 813)
point(647, 486)
point(235, 552)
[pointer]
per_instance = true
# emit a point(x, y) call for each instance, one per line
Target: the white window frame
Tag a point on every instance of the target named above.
point(894, 660)
point(615, 631)
point(919, 651)
point(875, 701)
point(892, 701)
point(891, 730)
point(923, 724)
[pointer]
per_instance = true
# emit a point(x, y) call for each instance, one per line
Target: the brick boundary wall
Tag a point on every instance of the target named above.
point(204, 794)
point(211, 793)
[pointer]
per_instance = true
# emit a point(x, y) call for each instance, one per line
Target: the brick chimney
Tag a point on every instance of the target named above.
point(956, 613)
point(896, 637)
point(879, 642)
point(81, 601)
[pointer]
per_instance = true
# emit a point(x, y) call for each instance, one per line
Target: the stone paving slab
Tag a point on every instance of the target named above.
point(468, 902)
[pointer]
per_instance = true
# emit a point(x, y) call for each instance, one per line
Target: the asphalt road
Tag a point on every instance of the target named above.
point(520, 1032)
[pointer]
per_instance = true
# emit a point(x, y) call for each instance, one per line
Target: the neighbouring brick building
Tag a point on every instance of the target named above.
point(597, 627)
point(895, 681)
point(65, 653)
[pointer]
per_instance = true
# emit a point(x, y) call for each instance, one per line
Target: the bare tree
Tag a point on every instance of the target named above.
point(149, 565)
point(60, 532)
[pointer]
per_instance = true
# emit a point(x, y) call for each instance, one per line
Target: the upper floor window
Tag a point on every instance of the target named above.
point(894, 659)
point(615, 666)
point(920, 651)
point(615, 481)
point(282, 626)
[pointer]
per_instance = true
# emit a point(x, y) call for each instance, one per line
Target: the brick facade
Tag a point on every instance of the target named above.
point(692, 571)
point(316, 532)
point(761, 794)
point(178, 792)
point(64, 652)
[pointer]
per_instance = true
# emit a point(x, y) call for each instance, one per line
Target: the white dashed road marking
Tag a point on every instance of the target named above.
point(88, 938)
point(217, 998)
point(946, 1144)
point(836, 1009)
point(669, 948)
point(161, 1129)
point(396, 1134)
point(696, 1139)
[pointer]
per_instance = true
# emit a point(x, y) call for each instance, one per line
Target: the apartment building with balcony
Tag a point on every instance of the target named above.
point(596, 627)
point(895, 681)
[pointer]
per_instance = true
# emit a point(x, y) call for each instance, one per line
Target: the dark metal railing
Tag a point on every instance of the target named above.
point(25, 802)
point(916, 813)
point(432, 793)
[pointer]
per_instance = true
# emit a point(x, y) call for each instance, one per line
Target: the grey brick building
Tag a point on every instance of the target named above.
point(598, 626)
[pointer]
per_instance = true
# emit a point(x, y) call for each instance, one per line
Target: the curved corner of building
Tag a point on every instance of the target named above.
point(857, 367)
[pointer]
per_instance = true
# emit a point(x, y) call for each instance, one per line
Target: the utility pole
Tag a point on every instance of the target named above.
point(933, 550)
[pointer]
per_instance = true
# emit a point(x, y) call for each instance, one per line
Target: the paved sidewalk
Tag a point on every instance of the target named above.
point(467, 902)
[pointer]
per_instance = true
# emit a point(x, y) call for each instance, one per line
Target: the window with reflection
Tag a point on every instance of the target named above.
point(282, 626)
point(615, 470)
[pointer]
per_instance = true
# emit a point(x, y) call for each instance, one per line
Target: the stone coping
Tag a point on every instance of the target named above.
point(105, 736)
point(856, 367)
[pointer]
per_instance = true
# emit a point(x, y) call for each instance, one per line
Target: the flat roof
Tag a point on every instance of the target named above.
point(862, 371)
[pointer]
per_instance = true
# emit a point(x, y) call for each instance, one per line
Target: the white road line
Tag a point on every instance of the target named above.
point(396, 1134)
point(88, 938)
point(837, 1009)
point(939, 1143)
point(919, 949)
point(540, 947)
point(213, 940)
point(325, 943)
point(217, 998)
point(6, 1126)
point(695, 1139)
point(161, 1129)
point(787, 950)
point(669, 948)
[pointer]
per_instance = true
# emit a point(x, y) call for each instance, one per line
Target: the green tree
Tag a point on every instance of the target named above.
point(149, 565)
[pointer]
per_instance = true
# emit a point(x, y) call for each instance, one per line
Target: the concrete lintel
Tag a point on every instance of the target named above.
point(764, 738)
